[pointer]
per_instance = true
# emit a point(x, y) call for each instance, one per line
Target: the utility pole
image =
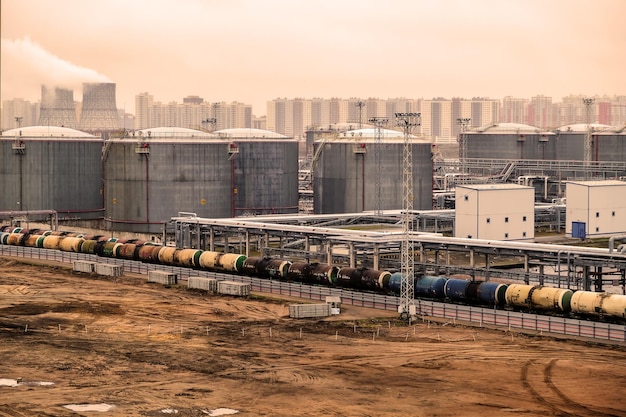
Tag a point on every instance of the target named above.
point(407, 284)
point(378, 122)
point(463, 123)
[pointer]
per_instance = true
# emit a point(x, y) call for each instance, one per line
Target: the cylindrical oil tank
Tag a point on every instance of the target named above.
point(548, 298)
point(587, 302)
point(277, 268)
point(149, 253)
point(232, 262)
point(16, 239)
point(375, 280)
point(518, 295)
point(187, 257)
point(300, 272)
point(31, 241)
point(492, 293)
point(52, 241)
point(58, 169)
point(599, 303)
point(510, 141)
point(471, 292)
point(109, 249)
point(430, 286)
point(208, 259)
point(71, 244)
point(166, 255)
point(249, 266)
point(455, 289)
point(347, 179)
point(615, 305)
point(324, 274)
point(88, 246)
point(128, 251)
point(395, 282)
point(350, 277)
point(258, 175)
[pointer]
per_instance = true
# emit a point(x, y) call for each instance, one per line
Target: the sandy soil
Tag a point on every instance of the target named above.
point(145, 350)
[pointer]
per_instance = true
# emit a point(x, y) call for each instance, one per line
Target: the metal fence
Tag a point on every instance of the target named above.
point(608, 332)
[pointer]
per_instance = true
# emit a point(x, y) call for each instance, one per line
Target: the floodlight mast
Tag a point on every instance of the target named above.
point(378, 122)
point(360, 104)
point(407, 121)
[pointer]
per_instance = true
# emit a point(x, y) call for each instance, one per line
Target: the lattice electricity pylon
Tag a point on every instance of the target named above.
point(407, 284)
point(379, 122)
point(463, 123)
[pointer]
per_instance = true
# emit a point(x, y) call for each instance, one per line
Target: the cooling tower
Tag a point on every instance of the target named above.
point(57, 108)
point(99, 111)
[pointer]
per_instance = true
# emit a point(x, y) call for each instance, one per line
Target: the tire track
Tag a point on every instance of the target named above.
point(551, 397)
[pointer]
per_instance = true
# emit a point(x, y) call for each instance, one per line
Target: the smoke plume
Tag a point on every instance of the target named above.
point(26, 66)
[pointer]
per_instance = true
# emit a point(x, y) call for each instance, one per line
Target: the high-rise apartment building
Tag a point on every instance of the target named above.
point(193, 113)
point(514, 110)
point(437, 120)
point(143, 105)
point(540, 112)
point(27, 113)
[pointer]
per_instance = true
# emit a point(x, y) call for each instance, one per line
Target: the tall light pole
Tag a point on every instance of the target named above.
point(360, 104)
point(407, 121)
point(378, 122)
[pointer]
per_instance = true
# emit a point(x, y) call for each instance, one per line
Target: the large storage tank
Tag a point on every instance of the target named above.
point(346, 177)
point(157, 173)
point(607, 143)
point(510, 141)
point(51, 168)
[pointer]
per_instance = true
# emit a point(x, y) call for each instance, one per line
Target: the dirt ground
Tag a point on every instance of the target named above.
point(141, 349)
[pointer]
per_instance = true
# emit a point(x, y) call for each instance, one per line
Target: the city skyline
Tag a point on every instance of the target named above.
point(255, 52)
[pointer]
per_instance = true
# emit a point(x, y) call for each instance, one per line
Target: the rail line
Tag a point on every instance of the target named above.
point(608, 333)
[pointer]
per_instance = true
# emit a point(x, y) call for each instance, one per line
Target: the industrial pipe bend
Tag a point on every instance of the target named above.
point(612, 241)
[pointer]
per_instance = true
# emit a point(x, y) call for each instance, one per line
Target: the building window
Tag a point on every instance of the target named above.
point(506, 220)
point(524, 218)
point(597, 229)
point(506, 235)
point(469, 236)
point(597, 214)
point(613, 213)
point(523, 234)
point(488, 220)
point(466, 198)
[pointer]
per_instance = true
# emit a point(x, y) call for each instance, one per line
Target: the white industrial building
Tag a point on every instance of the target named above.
point(595, 208)
point(495, 211)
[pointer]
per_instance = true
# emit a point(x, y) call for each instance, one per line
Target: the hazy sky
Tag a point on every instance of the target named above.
point(253, 51)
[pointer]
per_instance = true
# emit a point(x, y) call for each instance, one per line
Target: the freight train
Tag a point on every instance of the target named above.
point(536, 298)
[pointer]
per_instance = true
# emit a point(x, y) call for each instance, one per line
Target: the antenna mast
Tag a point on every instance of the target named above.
point(407, 284)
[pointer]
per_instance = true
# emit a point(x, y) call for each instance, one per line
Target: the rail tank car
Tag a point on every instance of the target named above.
point(538, 297)
point(599, 303)
point(430, 286)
